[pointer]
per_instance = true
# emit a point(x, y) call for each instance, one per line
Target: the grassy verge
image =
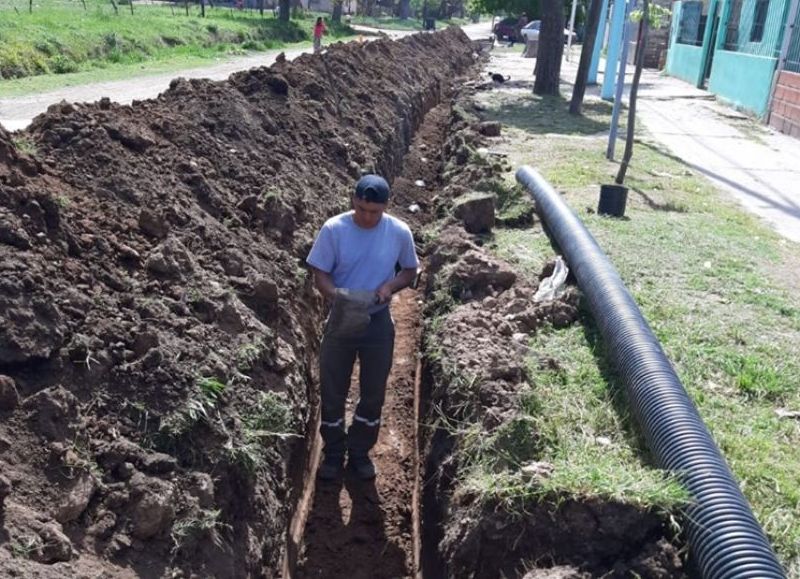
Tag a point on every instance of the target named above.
point(393, 23)
point(718, 290)
point(61, 39)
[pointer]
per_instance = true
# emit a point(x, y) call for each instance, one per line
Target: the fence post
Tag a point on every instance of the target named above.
point(788, 32)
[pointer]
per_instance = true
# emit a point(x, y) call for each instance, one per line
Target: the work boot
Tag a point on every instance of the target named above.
point(330, 469)
point(361, 467)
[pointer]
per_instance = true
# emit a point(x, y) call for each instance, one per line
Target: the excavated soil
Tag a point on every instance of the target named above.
point(158, 330)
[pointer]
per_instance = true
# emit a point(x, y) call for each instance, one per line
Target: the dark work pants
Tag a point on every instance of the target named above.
point(374, 349)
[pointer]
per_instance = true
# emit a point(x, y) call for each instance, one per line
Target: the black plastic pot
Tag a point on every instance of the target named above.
point(612, 200)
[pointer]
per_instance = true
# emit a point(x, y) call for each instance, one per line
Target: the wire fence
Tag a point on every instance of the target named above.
point(115, 6)
point(754, 27)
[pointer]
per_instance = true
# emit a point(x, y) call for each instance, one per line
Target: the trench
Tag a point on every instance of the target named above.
point(373, 529)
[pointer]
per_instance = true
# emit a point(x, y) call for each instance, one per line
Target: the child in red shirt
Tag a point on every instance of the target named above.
point(319, 30)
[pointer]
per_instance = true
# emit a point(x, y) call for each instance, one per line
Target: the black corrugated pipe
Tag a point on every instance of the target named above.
point(725, 540)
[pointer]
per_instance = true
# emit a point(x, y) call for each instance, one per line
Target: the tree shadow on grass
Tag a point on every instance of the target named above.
point(550, 114)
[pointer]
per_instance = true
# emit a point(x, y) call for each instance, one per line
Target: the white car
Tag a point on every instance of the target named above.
point(531, 31)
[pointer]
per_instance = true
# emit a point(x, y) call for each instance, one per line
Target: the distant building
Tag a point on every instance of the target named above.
point(737, 49)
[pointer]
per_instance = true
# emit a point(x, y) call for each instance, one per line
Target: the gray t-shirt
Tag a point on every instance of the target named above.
point(363, 259)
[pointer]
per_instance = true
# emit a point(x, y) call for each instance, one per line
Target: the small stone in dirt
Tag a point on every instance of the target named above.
point(202, 488)
point(78, 499)
point(55, 410)
point(5, 490)
point(489, 128)
point(476, 211)
point(9, 397)
point(159, 463)
point(14, 237)
point(56, 546)
point(104, 525)
point(152, 224)
point(153, 511)
point(419, 183)
point(413, 208)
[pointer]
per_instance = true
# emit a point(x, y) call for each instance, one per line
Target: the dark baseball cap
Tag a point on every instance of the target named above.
point(373, 188)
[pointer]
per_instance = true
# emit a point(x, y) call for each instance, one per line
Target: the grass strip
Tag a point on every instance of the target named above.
point(59, 38)
point(719, 289)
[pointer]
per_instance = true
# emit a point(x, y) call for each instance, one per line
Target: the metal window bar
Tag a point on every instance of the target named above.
point(692, 24)
point(760, 18)
point(793, 53)
point(755, 27)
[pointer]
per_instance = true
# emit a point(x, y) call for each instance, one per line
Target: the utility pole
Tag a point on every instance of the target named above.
point(612, 133)
point(571, 27)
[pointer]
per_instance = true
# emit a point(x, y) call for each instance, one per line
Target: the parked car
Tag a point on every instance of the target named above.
point(531, 31)
point(506, 28)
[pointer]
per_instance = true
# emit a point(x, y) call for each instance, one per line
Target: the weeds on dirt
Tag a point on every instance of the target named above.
point(24, 547)
point(204, 523)
point(24, 144)
point(199, 407)
point(710, 281)
point(269, 418)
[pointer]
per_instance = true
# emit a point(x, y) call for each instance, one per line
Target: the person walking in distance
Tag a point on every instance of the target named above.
point(522, 21)
point(319, 30)
point(354, 259)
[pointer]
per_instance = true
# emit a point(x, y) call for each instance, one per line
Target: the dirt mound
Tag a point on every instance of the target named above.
point(156, 317)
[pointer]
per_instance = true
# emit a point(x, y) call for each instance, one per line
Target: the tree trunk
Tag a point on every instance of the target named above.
point(551, 48)
point(185, 5)
point(587, 50)
point(637, 76)
point(261, 8)
point(202, 8)
point(336, 16)
point(284, 10)
point(405, 9)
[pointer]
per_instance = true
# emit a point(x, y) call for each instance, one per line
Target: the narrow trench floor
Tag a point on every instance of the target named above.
point(365, 530)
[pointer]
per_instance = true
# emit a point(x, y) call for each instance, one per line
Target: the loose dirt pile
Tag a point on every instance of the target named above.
point(481, 314)
point(157, 326)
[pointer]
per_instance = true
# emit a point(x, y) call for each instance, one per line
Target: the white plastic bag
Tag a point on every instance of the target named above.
point(552, 287)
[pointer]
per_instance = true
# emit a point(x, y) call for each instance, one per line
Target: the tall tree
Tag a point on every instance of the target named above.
point(587, 50)
point(551, 48)
point(336, 15)
point(405, 9)
point(644, 26)
point(284, 10)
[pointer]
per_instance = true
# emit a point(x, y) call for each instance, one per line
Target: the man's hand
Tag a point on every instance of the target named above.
point(385, 293)
point(404, 279)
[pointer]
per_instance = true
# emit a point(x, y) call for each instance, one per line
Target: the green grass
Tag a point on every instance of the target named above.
point(710, 280)
point(394, 23)
point(60, 39)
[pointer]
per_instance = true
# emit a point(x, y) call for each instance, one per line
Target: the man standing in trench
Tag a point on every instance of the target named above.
point(354, 258)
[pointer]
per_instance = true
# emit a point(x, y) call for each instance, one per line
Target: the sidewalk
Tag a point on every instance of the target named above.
point(757, 165)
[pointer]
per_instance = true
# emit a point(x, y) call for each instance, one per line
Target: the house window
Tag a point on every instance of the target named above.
point(732, 29)
point(759, 19)
point(692, 25)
